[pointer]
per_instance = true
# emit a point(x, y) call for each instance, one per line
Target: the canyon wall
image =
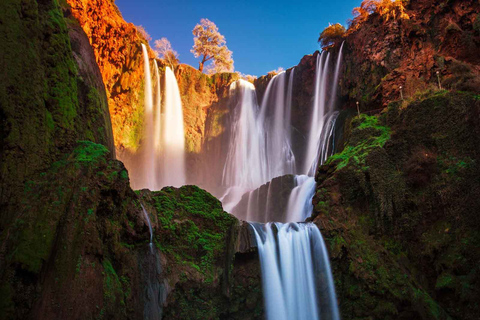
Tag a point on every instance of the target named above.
point(382, 56)
point(74, 240)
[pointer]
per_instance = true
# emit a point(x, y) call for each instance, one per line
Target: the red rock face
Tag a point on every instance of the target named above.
point(117, 47)
point(382, 56)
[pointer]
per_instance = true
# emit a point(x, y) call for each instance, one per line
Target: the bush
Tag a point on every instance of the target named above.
point(331, 35)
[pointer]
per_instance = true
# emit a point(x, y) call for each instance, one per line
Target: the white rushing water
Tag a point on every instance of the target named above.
point(300, 201)
point(296, 273)
point(173, 136)
point(275, 116)
point(147, 217)
point(292, 255)
point(148, 168)
point(318, 114)
point(157, 127)
point(245, 166)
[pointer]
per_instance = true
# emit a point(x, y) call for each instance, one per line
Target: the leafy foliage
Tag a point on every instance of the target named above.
point(388, 9)
point(331, 35)
point(209, 44)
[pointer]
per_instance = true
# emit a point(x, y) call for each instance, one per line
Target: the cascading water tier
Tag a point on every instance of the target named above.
point(296, 275)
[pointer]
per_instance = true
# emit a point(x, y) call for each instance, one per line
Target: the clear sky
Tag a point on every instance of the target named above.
point(263, 35)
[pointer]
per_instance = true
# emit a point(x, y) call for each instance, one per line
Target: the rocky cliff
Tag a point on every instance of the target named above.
point(118, 52)
point(397, 204)
point(74, 236)
point(51, 95)
point(398, 209)
point(383, 57)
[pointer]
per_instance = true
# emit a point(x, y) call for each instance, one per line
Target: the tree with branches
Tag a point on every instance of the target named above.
point(209, 44)
point(164, 50)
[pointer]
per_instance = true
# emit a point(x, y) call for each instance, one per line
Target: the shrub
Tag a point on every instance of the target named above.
point(332, 34)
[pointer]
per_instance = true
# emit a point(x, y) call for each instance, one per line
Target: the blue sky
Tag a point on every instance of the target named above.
point(263, 35)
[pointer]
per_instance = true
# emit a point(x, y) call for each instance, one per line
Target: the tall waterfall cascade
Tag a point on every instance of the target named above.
point(245, 167)
point(157, 141)
point(161, 157)
point(296, 275)
point(173, 134)
point(280, 158)
point(149, 175)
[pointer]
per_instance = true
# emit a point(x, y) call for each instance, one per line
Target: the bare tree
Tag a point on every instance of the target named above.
point(164, 50)
point(210, 44)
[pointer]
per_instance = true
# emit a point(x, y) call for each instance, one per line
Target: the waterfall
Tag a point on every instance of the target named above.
point(145, 213)
point(296, 275)
point(245, 166)
point(288, 110)
point(157, 125)
point(323, 117)
point(148, 170)
point(173, 134)
point(300, 201)
point(280, 158)
point(335, 78)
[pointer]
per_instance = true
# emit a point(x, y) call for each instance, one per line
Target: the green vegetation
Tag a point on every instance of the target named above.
point(90, 154)
point(193, 227)
point(399, 216)
point(369, 134)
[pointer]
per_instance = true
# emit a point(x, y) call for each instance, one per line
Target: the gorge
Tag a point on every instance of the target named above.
point(136, 187)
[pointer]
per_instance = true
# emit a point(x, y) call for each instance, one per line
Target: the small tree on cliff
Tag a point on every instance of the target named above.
point(209, 44)
point(164, 50)
point(331, 35)
point(143, 33)
point(387, 9)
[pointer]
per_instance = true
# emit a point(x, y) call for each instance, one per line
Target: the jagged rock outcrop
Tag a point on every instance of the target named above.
point(211, 266)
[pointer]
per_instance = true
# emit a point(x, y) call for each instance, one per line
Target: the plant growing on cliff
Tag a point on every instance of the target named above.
point(141, 30)
point(209, 44)
point(275, 72)
point(332, 34)
point(387, 9)
point(163, 49)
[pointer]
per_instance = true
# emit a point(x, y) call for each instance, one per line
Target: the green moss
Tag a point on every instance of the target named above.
point(124, 174)
point(376, 137)
point(112, 288)
point(445, 281)
point(192, 227)
point(476, 24)
point(90, 154)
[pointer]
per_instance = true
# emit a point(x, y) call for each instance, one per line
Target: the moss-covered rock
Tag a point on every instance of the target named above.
point(76, 244)
point(47, 102)
point(208, 276)
point(398, 209)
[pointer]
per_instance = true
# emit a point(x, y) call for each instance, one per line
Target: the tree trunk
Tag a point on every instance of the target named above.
point(200, 66)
